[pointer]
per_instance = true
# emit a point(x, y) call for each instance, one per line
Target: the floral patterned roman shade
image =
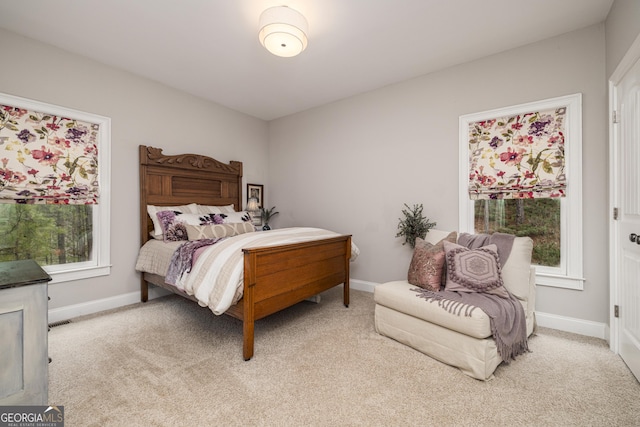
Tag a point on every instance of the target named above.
point(45, 158)
point(519, 156)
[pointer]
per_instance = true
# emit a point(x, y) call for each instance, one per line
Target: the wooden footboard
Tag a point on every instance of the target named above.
point(277, 277)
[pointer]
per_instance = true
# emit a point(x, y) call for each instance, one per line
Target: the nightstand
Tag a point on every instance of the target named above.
point(24, 371)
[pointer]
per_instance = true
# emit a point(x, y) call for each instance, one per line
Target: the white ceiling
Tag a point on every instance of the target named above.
point(210, 48)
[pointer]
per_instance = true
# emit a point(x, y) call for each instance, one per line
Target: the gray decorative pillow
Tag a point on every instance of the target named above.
point(474, 270)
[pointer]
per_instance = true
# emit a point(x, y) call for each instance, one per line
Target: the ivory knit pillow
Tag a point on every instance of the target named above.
point(214, 231)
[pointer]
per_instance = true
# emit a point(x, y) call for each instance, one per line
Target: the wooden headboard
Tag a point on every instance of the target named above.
point(183, 179)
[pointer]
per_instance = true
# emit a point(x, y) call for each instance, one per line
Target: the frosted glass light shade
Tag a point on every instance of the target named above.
point(283, 31)
point(252, 204)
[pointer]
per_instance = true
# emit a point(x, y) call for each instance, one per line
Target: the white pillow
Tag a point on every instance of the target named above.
point(215, 209)
point(235, 217)
point(153, 210)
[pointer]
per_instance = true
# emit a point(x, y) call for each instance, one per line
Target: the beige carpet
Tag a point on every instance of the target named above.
point(171, 363)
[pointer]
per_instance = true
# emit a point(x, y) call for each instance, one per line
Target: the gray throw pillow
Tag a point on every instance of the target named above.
point(473, 270)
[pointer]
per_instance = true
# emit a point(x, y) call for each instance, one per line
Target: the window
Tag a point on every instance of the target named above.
point(69, 234)
point(531, 207)
point(536, 218)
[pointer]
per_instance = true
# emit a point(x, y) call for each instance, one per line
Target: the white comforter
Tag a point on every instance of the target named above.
point(216, 279)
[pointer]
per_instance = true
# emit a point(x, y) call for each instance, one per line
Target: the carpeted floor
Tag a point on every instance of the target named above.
point(170, 362)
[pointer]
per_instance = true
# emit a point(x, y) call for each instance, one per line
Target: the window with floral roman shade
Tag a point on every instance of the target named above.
point(521, 173)
point(45, 158)
point(518, 156)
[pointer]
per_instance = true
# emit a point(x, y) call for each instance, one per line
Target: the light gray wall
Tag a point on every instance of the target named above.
point(349, 166)
point(622, 28)
point(142, 112)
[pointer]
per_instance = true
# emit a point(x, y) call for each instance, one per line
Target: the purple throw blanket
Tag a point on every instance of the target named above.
point(182, 258)
point(503, 241)
point(506, 316)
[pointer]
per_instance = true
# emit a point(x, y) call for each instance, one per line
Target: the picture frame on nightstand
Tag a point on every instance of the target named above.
point(256, 190)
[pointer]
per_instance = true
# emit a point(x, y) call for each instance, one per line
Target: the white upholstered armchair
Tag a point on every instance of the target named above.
point(455, 333)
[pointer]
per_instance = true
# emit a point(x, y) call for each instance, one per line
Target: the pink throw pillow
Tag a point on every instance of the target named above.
point(427, 264)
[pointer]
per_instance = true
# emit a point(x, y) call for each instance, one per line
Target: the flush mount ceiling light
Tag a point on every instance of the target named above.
point(283, 31)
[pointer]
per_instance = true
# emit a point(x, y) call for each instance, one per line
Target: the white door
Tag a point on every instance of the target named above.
point(628, 224)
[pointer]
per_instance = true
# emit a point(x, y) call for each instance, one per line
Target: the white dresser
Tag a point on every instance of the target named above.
point(24, 368)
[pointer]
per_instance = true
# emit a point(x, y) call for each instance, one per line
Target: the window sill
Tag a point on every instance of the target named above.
point(77, 274)
point(556, 281)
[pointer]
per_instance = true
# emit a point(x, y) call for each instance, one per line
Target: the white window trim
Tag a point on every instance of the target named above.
point(101, 264)
point(569, 274)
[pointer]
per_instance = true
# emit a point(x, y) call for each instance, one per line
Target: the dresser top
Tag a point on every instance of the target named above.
point(21, 273)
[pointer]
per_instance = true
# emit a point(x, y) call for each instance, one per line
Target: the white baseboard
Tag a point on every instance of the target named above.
point(546, 320)
point(571, 324)
point(361, 285)
point(92, 307)
point(72, 311)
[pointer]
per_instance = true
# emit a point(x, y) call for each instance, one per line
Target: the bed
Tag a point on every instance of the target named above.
point(274, 277)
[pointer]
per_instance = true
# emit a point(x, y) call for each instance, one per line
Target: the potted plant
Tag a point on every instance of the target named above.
point(267, 214)
point(413, 225)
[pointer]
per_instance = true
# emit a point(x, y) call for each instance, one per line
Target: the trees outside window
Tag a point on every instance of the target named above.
point(48, 234)
point(536, 218)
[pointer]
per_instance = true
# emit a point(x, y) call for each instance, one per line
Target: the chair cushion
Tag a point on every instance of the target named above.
point(399, 296)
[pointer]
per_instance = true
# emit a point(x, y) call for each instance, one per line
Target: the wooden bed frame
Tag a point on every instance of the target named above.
point(275, 277)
